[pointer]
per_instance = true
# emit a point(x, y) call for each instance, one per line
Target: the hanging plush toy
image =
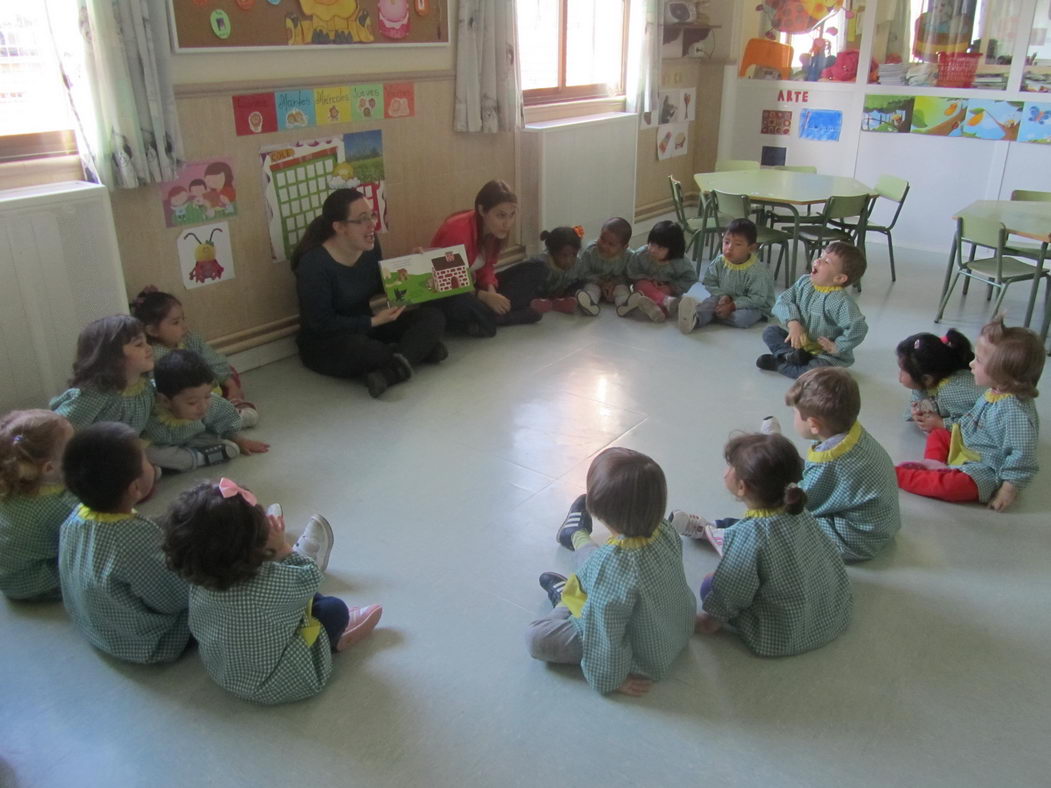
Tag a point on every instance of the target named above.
point(798, 16)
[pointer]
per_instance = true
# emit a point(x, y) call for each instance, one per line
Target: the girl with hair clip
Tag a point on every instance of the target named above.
point(937, 371)
point(660, 273)
point(560, 263)
point(263, 631)
point(111, 375)
point(781, 583)
point(33, 502)
point(991, 451)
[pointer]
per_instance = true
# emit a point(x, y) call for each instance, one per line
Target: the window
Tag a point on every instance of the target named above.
point(571, 49)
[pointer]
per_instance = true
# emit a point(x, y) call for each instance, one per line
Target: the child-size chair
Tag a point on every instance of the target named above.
point(764, 53)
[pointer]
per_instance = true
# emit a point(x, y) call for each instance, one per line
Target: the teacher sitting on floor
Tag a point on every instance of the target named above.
point(336, 264)
point(484, 231)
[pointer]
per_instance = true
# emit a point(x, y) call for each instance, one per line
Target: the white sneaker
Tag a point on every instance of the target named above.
point(316, 541)
point(689, 525)
point(586, 303)
point(249, 417)
point(687, 314)
point(650, 308)
point(274, 510)
point(770, 426)
point(633, 300)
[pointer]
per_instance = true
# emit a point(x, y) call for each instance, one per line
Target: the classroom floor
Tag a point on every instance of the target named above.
point(445, 496)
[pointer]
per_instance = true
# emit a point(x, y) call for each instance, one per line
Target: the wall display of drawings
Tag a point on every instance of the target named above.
point(264, 113)
point(673, 106)
point(208, 25)
point(205, 257)
point(298, 177)
point(776, 121)
point(820, 124)
point(985, 119)
point(204, 190)
point(672, 140)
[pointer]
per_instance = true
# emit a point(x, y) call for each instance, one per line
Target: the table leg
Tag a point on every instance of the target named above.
point(948, 270)
point(1035, 287)
point(795, 244)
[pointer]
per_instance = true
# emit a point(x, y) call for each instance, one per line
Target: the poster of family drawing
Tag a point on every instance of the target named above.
point(204, 191)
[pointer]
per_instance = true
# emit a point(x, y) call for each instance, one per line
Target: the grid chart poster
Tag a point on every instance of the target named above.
point(297, 178)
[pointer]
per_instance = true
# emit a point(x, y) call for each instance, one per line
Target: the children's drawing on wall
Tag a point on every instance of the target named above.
point(329, 22)
point(820, 124)
point(204, 255)
point(672, 140)
point(892, 114)
point(1036, 123)
point(204, 190)
point(776, 121)
point(940, 117)
point(399, 100)
point(677, 106)
point(989, 119)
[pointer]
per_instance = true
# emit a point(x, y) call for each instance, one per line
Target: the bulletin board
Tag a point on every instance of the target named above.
point(282, 24)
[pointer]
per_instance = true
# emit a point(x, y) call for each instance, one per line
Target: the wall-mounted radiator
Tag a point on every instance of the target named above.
point(59, 270)
point(582, 170)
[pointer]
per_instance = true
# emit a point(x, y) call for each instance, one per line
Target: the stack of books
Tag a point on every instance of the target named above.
point(892, 73)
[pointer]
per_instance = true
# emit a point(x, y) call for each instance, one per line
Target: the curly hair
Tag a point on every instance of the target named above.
point(769, 466)
point(100, 352)
point(212, 541)
point(559, 238)
point(28, 440)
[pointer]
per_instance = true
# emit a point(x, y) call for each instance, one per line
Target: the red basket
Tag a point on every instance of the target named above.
point(957, 69)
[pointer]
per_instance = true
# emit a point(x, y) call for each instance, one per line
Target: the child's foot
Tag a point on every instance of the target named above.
point(798, 357)
point(567, 305)
point(438, 354)
point(670, 305)
point(630, 304)
point(687, 314)
point(362, 621)
point(767, 362)
point(249, 415)
point(586, 303)
point(689, 525)
point(541, 305)
point(770, 426)
point(650, 308)
point(553, 583)
point(316, 541)
point(704, 624)
point(213, 455)
point(576, 520)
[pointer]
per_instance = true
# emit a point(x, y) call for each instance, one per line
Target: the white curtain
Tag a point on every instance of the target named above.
point(114, 57)
point(644, 55)
point(488, 90)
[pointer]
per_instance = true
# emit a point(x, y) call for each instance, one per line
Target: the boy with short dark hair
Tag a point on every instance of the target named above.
point(822, 322)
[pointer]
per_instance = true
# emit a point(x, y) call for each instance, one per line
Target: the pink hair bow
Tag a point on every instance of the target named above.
point(228, 488)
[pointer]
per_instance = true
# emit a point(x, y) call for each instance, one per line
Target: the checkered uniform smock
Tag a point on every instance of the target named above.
point(750, 284)
point(593, 267)
point(824, 312)
point(1003, 430)
point(852, 490)
point(220, 366)
point(164, 429)
point(29, 526)
point(780, 583)
point(558, 281)
point(86, 406)
point(253, 637)
point(633, 608)
point(954, 395)
point(679, 273)
point(117, 588)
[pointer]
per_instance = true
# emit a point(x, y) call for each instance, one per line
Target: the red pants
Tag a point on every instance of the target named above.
point(945, 484)
point(655, 291)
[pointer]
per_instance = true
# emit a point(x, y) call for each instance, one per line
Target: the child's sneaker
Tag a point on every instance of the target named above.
point(650, 308)
point(221, 451)
point(770, 426)
point(767, 362)
point(567, 305)
point(630, 304)
point(553, 583)
point(687, 314)
point(316, 541)
point(249, 415)
point(360, 625)
point(586, 303)
point(577, 519)
point(541, 305)
point(671, 305)
point(689, 525)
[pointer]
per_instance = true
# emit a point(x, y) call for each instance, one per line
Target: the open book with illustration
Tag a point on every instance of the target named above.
point(431, 274)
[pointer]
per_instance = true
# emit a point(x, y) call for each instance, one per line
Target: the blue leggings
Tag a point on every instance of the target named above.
point(332, 612)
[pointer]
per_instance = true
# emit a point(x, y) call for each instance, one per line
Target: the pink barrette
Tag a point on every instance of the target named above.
point(229, 488)
point(945, 339)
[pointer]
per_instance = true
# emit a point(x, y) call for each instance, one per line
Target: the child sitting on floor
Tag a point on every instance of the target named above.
point(115, 584)
point(563, 246)
point(263, 631)
point(602, 267)
point(736, 290)
point(937, 370)
point(823, 323)
point(33, 502)
point(191, 426)
point(659, 273)
point(628, 612)
point(991, 452)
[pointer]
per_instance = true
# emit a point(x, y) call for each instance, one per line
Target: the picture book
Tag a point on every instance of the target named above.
point(431, 274)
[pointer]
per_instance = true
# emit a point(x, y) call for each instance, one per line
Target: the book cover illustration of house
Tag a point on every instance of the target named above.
point(434, 273)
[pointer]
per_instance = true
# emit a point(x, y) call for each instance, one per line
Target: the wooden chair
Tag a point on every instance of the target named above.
point(738, 206)
point(891, 188)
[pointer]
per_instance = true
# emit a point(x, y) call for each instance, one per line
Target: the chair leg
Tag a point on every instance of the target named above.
point(948, 293)
point(890, 249)
point(999, 297)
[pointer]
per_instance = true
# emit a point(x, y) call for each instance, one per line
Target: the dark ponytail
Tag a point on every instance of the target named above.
point(935, 357)
point(335, 209)
point(559, 238)
point(795, 499)
point(769, 466)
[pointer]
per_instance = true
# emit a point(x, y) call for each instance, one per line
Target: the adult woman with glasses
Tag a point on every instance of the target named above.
point(336, 264)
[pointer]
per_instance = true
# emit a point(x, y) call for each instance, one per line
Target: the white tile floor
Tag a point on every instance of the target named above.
point(445, 497)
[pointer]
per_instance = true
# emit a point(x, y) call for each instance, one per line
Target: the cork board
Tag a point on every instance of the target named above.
point(210, 25)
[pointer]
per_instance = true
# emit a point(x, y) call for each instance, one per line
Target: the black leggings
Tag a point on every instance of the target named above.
point(519, 284)
point(414, 335)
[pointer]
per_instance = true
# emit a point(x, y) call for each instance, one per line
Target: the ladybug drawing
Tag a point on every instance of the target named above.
point(206, 267)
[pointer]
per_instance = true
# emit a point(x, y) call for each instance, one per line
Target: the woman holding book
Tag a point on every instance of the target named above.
point(336, 264)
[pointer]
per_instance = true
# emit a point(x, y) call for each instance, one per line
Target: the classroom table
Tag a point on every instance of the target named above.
point(782, 188)
point(1023, 218)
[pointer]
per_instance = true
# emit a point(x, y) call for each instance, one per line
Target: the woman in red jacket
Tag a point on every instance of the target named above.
point(484, 231)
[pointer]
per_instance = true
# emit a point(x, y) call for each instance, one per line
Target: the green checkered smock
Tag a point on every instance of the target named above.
point(117, 588)
point(253, 637)
point(852, 490)
point(29, 526)
point(750, 284)
point(220, 366)
point(824, 312)
point(164, 429)
point(86, 406)
point(954, 395)
point(679, 273)
point(780, 583)
point(558, 281)
point(1003, 429)
point(593, 267)
point(638, 610)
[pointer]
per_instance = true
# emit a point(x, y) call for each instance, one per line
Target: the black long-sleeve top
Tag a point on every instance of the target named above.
point(334, 298)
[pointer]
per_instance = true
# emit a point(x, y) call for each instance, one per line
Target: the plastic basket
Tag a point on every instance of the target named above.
point(957, 69)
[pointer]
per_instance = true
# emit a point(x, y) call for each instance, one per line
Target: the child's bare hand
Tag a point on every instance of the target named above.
point(249, 446)
point(797, 337)
point(705, 624)
point(1004, 497)
point(725, 307)
point(635, 686)
point(276, 541)
point(827, 345)
point(928, 421)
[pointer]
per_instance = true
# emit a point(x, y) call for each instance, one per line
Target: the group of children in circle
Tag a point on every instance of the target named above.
point(148, 394)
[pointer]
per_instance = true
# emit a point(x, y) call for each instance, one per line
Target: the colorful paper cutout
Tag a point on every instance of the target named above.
point(332, 105)
point(890, 114)
point(776, 121)
point(205, 256)
point(204, 190)
point(366, 102)
point(1036, 123)
point(992, 119)
point(295, 109)
point(937, 116)
point(820, 124)
point(255, 113)
point(399, 100)
point(672, 140)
